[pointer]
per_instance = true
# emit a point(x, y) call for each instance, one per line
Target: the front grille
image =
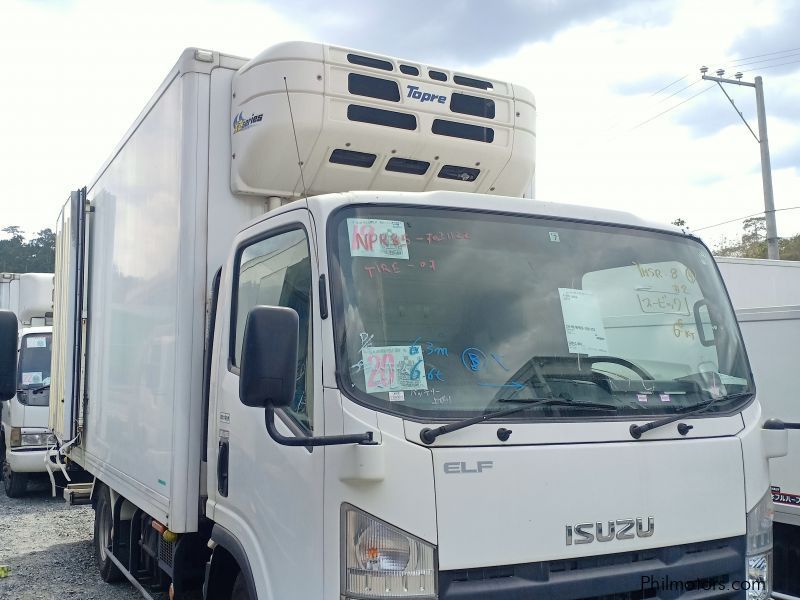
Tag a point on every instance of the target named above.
point(673, 572)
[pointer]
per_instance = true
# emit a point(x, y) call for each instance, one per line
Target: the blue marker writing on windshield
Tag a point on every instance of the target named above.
point(473, 359)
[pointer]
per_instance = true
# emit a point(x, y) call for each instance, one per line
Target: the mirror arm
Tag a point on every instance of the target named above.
point(779, 425)
point(328, 440)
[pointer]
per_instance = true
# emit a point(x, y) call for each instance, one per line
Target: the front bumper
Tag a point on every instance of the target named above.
point(28, 460)
point(710, 569)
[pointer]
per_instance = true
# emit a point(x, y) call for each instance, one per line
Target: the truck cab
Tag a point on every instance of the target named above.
point(548, 391)
point(26, 435)
point(24, 431)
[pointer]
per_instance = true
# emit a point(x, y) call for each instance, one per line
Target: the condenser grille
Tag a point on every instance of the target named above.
point(378, 116)
point(463, 130)
point(408, 165)
point(373, 87)
point(472, 105)
point(470, 82)
point(368, 61)
point(353, 158)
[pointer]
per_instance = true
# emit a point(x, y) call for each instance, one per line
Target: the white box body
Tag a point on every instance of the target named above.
point(766, 296)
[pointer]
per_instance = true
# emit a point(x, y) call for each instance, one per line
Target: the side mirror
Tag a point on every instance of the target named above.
point(705, 327)
point(268, 369)
point(774, 437)
point(8, 354)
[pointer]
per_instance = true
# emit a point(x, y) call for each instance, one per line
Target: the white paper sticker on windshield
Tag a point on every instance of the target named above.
point(35, 341)
point(583, 322)
point(31, 377)
point(394, 368)
point(378, 238)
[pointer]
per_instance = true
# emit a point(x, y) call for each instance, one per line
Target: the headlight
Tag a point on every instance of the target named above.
point(759, 549)
point(22, 438)
point(381, 561)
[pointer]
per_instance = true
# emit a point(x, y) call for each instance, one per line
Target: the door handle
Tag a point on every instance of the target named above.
point(222, 468)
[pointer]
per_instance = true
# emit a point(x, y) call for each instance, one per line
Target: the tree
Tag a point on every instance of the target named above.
point(753, 242)
point(42, 252)
point(38, 255)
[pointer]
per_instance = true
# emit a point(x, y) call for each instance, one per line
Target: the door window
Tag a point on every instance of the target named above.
point(276, 271)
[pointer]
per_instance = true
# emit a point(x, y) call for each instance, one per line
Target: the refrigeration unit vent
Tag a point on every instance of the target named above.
point(369, 122)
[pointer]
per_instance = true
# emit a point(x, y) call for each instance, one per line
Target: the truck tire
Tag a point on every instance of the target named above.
point(14, 484)
point(239, 591)
point(103, 527)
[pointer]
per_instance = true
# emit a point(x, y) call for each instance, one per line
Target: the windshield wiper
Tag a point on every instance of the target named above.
point(559, 401)
point(41, 388)
point(429, 435)
point(638, 430)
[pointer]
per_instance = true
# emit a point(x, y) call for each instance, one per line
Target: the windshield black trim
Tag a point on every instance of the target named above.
point(338, 326)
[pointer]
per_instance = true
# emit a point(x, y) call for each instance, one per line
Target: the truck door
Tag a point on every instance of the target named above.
point(69, 327)
point(269, 496)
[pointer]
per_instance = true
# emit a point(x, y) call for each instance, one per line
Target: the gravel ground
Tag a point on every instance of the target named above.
point(47, 547)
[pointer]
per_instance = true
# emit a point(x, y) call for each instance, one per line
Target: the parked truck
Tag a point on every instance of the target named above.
point(435, 387)
point(766, 296)
point(24, 419)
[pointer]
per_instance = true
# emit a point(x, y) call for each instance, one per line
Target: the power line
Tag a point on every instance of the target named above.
point(754, 62)
point(793, 62)
point(698, 80)
point(743, 218)
point(766, 54)
point(735, 64)
point(669, 109)
point(686, 87)
point(669, 85)
point(620, 122)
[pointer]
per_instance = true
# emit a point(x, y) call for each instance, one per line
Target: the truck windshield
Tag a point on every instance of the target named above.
point(445, 314)
point(34, 367)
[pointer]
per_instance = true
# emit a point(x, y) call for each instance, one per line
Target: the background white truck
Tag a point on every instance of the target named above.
point(455, 394)
point(766, 296)
point(24, 431)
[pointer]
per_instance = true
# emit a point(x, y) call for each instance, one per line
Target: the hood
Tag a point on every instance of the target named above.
point(522, 504)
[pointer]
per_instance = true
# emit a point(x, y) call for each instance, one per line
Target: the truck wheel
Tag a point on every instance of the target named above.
point(239, 591)
point(103, 526)
point(15, 484)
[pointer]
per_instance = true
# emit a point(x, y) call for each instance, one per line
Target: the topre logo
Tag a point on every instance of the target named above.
point(240, 123)
point(417, 94)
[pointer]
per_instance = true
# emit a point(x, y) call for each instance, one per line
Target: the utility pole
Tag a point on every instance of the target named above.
point(763, 142)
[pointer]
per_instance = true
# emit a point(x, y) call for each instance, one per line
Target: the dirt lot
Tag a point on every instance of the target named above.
point(47, 547)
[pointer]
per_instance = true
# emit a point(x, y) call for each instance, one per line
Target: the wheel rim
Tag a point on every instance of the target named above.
point(104, 533)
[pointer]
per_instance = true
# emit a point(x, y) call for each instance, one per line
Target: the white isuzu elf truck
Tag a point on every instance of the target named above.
point(432, 388)
point(766, 296)
point(24, 431)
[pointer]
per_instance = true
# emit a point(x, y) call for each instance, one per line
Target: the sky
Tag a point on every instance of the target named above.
point(611, 130)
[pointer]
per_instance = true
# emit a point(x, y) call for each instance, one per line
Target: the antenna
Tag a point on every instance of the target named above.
point(294, 132)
